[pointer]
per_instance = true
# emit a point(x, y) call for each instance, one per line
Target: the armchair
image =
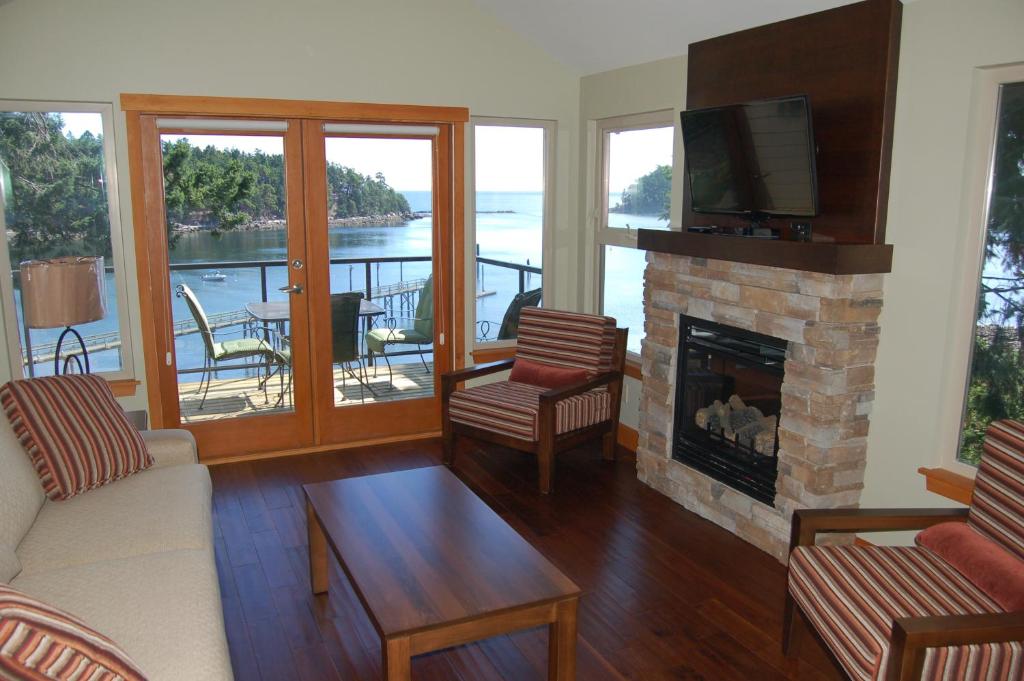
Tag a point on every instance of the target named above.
point(533, 418)
point(895, 613)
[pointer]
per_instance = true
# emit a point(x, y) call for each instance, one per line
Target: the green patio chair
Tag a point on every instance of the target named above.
point(345, 338)
point(220, 350)
point(419, 333)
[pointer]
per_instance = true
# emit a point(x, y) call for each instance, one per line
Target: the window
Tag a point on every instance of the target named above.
point(512, 197)
point(58, 198)
point(995, 386)
point(634, 191)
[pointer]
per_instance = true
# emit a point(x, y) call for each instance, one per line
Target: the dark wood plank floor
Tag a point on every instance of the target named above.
point(668, 595)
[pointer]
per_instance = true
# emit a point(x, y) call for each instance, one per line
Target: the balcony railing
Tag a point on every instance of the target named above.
point(397, 298)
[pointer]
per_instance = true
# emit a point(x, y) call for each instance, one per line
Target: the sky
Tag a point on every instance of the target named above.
point(634, 153)
point(507, 158)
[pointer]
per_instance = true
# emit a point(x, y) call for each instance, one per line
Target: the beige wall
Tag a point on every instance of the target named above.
point(445, 52)
point(920, 368)
point(654, 86)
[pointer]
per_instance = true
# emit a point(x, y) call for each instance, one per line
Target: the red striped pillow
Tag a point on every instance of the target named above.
point(38, 641)
point(75, 432)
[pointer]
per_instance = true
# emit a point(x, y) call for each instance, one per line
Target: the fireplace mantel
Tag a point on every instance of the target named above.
point(826, 258)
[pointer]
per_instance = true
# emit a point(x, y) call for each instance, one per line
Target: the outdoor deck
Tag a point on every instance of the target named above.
point(231, 397)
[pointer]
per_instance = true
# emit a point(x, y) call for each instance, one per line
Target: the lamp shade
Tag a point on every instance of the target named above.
point(62, 291)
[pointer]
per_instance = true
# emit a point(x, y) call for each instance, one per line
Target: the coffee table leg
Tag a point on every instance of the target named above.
point(562, 642)
point(397, 661)
point(317, 552)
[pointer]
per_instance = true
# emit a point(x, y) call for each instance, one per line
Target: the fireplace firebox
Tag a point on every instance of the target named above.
point(728, 401)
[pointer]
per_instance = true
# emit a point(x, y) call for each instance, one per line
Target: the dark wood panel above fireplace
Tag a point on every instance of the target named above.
point(845, 59)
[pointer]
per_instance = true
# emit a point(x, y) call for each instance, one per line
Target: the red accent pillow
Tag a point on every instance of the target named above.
point(986, 564)
point(546, 375)
point(75, 432)
point(38, 641)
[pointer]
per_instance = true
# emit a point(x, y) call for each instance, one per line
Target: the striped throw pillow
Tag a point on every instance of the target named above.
point(75, 432)
point(38, 641)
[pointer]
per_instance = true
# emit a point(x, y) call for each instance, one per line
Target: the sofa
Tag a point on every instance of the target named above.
point(133, 559)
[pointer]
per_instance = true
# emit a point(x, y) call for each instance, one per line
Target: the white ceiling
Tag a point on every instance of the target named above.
point(591, 36)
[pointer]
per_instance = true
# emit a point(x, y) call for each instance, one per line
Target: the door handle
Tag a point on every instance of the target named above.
point(296, 289)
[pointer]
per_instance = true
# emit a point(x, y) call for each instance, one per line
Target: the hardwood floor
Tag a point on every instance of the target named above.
point(667, 595)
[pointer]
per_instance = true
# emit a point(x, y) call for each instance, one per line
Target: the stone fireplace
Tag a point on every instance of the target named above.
point(829, 325)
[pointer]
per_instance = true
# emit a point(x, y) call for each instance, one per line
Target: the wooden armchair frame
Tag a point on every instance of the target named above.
point(910, 636)
point(548, 442)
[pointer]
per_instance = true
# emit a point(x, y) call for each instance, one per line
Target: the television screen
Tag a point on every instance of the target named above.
point(756, 157)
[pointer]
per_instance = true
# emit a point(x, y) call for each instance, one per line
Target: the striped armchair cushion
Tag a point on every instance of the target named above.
point(511, 409)
point(997, 508)
point(74, 431)
point(852, 594)
point(567, 339)
point(38, 641)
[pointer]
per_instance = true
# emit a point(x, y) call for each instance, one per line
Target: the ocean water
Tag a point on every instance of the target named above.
point(508, 229)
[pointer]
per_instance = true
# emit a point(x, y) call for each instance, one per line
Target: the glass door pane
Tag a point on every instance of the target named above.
point(380, 235)
point(227, 240)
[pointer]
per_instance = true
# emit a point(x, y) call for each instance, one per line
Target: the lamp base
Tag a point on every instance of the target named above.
point(71, 357)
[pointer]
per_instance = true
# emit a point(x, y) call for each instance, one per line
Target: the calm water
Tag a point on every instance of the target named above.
point(510, 237)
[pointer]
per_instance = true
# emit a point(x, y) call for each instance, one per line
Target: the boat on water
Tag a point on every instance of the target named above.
point(216, 275)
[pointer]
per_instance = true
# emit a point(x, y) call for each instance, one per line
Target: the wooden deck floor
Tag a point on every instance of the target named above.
point(667, 595)
point(232, 397)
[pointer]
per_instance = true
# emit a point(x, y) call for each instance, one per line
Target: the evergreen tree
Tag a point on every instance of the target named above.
point(649, 195)
point(58, 203)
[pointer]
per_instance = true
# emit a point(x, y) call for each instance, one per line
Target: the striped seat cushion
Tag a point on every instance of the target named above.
point(851, 594)
point(997, 508)
point(511, 409)
point(567, 339)
point(38, 641)
point(74, 431)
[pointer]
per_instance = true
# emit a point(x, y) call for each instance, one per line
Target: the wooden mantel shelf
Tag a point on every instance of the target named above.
point(794, 255)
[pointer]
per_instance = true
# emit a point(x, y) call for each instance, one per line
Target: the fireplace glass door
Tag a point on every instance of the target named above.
point(728, 402)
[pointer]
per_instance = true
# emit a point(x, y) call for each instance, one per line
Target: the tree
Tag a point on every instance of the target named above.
point(58, 203)
point(649, 195)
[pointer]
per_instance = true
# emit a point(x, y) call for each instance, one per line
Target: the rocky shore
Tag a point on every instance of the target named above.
point(387, 220)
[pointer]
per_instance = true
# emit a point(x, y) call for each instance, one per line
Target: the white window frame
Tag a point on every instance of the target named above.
point(605, 235)
point(117, 246)
point(549, 128)
point(977, 188)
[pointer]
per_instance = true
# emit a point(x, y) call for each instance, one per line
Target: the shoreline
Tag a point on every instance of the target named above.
point(386, 220)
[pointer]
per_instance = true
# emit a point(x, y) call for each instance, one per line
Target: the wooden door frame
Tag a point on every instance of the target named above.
point(150, 230)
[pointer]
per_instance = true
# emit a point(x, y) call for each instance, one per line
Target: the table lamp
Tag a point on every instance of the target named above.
point(63, 292)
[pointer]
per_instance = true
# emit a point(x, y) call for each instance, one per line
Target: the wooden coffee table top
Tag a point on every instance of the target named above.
point(423, 551)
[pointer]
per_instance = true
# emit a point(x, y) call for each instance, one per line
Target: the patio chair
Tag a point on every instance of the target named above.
point(419, 333)
point(509, 327)
point(582, 355)
point(345, 338)
point(220, 350)
point(950, 608)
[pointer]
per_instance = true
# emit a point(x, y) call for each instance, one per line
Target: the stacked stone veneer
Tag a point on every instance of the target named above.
point(830, 322)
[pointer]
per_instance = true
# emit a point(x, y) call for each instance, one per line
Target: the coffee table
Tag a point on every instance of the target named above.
point(435, 567)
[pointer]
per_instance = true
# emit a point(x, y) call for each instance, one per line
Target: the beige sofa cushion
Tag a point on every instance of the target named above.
point(170, 446)
point(163, 609)
point(159, 509)
point(21, 494)
point(10, 566)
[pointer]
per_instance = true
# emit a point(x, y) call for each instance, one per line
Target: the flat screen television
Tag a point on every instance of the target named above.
point(756, 158)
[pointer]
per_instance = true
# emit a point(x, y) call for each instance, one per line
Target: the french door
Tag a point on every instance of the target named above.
point(292, 298)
